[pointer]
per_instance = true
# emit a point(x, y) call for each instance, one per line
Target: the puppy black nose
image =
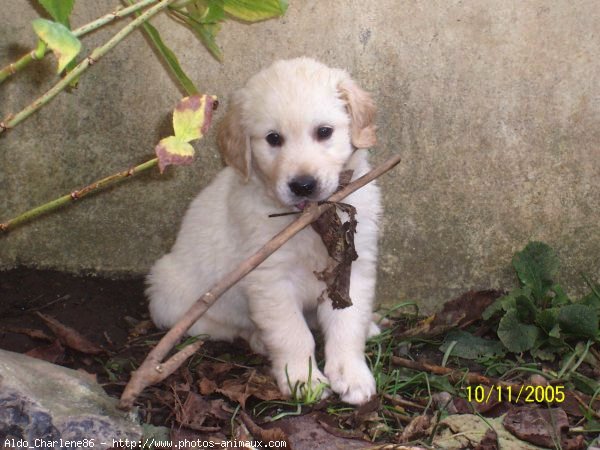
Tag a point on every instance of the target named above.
point(303, 186)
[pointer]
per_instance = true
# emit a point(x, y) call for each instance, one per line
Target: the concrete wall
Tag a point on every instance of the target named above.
point(494, 105)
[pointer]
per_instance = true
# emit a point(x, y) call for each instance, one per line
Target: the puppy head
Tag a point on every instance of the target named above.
point(295, 125)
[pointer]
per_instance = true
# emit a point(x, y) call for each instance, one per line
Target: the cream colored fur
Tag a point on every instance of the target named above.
point(228, 221)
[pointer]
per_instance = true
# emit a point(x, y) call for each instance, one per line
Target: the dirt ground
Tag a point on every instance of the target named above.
point(224, 392)
point(96, 307)
point(113, 314)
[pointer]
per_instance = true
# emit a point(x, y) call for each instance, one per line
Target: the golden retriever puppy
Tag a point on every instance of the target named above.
point(286, 137)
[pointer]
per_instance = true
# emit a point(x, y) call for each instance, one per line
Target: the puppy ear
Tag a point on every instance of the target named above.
point(233, 142)
point(362, 113)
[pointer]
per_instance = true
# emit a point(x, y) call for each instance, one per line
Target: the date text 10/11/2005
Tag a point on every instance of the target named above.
point(512, 394)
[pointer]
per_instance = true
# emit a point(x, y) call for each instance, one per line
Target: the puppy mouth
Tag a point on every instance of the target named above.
point(303, 204)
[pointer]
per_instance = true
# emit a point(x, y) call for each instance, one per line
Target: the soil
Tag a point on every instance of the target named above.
point(224, 391)
point(113, 314)
point(98, 308)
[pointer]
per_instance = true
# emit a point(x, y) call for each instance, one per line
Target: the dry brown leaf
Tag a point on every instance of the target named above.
point(31, 332)
point(187, 439)
point(141, 328)
point(70, 337)
point(207, 386)
point(338, 239)
point(543, 427)
point(416, 429)
point(489, 441)
point(53, 353)
point(262, 434)
point(194, 412)
point(250, 384)
point(234, 390)
point(458, 312)
point(339, 432)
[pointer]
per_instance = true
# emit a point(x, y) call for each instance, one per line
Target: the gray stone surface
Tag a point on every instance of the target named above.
point(43, 405)
point(494, 105)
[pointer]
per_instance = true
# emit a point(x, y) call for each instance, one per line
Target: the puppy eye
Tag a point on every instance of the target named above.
point(274, 139)
point(324, 133)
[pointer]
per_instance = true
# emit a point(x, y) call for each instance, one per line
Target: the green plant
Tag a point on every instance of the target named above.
point(203, 17)
point(191, 118)
point(306, 393)
point(538, 316)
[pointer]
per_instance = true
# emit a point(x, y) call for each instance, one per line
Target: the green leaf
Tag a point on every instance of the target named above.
point(554, 333)
point(526, 309)
point(209, 11)
point(173, 151)
point(560, 296)
point(60, 40)
point(579, 320)
point(591, 300)
point(193, 116)
point(516, 336)
point(255, 10)
point(584, 384)
point(547, 319)
point(536, 266)
point(170, 59)
point(204, 32)
point(506, 302)
point(59, 10)
point(494, 308)
point(469, 346)
point(545, 354)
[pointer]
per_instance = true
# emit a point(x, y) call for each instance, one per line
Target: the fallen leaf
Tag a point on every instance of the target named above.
point(543, 427)
point(489, 441)
point(250, 384)
point(461, 431)
point(141, 328)
point(234, 390)
point(576, 443)
point(262, 434)
point(207, 386)
point(416, 429)
point(364, 412)
point(53, 353)
point(339, 432)
point(458, 312)
point(70, 337)
point(188, 439)
point(31, 332)
point(196, 409)
point(306, 432)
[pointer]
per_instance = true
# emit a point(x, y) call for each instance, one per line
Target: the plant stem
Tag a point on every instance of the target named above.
point(12, 120)
point(35, 54)
point(75, 195)
point(153, 365)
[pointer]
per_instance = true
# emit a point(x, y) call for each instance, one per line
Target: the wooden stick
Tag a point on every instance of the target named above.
point(454, 374)
point(146, 373)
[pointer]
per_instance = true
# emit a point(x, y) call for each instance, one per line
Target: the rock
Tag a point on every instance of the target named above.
point(43, 405)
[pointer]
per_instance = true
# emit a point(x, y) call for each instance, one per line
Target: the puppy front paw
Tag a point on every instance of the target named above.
point(351, 379)
point(301, 380)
